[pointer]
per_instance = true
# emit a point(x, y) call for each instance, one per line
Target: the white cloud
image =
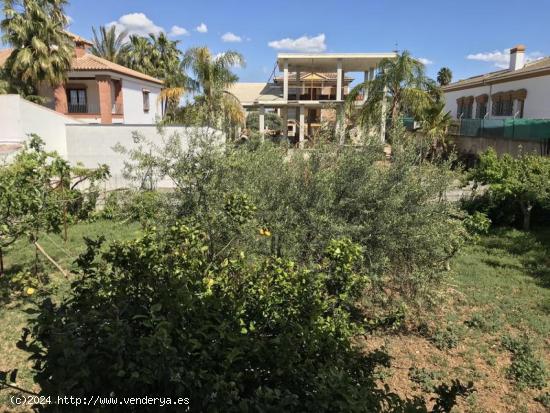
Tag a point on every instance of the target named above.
point(176, 31)
point(301, 44)
point(202, 28)
point(136, 23)
point(424, 61)
point(501, 59)
point(231, 38)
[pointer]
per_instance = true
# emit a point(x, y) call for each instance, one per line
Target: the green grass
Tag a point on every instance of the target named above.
point(507, 278)
point(13, 298)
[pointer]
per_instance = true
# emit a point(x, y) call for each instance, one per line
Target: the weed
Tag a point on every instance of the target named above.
point(527, 370)
point(486, 323)
point(424, 378)
point(544, 399)
point(447, 338)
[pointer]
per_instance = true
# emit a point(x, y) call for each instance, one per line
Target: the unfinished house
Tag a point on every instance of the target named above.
point(310, 89)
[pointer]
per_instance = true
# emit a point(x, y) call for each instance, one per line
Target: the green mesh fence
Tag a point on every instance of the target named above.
point(517, 129)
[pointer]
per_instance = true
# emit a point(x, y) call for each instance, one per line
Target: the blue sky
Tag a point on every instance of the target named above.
point(443, 32)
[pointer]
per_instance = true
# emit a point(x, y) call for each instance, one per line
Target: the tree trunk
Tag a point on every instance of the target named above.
point(526, 208)
point(1, 262)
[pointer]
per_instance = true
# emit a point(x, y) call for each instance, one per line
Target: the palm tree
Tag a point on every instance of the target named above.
point(444, 76)
point(402, 81)
point(141, 55)
point(212, 79)
point(435, 123)
point(42, 50)
point(109, 45)
point(169, 69)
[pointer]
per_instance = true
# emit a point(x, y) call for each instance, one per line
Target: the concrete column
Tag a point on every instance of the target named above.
point(299, 87)
point(262, 122)
point(105, 99)
point(383, 116)
point(285, 81)
point(340, 124)
point(366, 78)
point(339, 79)
point(302, 125)
point(285, 121)
point(60, 99)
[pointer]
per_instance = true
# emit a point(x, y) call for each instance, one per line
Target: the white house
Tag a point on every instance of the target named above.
point(100, 91)
point(520, 91)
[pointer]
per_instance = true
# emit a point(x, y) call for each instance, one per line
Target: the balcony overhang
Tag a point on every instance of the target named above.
point(327, 62)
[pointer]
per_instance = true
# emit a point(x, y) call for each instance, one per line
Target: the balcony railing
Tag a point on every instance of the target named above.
point(92, 109)
point(312, 93)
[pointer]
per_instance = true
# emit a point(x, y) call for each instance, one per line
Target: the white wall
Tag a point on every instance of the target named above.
point(78, 142)
point(134, 114)
point(537, 103)
point(19, 118)
point(92, 145)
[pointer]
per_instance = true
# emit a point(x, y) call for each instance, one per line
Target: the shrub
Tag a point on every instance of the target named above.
point(145, 207)
point(447, 338)
point(424, 378)
point(525, 180)
point(484, 322)
point(527, 370)
point(395, 211)
point(155, 316)
point(477, 224)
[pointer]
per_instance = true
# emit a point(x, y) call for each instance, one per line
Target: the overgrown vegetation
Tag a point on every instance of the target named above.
point(267, 262)
point(524, 182)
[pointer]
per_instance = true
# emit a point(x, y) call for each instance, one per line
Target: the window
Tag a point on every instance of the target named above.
point(503, 104)
point(77, 100)
point(481, 106)
point(481, 110)
point(465, 106)
point(145, 100)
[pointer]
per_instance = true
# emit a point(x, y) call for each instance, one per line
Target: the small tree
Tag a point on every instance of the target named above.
point(34, 188)
point(25, 201)
point(525, 179)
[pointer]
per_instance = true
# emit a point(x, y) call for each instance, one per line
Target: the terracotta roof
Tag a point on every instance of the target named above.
point(89, 62)
point(531, 69)
point(303, 75)
point(92, 63)
point(77, 38)
point(4, 54)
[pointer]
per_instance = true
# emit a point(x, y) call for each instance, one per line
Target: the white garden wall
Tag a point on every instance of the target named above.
point(78, 142)
point(92, 145)
point(19, 118)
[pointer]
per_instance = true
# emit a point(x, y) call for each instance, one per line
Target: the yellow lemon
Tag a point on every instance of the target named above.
point(30, 291)
point(262, 231)
point(267, 233)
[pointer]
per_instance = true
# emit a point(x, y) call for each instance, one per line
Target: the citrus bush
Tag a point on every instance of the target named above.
point(155, 316)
